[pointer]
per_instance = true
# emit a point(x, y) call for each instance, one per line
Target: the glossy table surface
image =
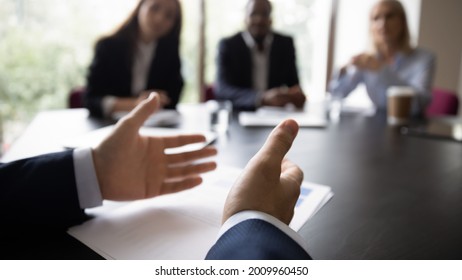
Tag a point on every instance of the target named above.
point(396, 197)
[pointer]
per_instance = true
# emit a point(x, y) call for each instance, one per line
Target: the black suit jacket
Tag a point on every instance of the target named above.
point(234, 78)
point(39, 201)
point(110, 73)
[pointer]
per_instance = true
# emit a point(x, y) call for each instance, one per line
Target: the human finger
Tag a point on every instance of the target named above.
point(191, 156)
point(181, 140)
point(191, 169)
point(142, 111)
point(164, 99)
point(180, 185)
point(291, 173)
point(279, 141)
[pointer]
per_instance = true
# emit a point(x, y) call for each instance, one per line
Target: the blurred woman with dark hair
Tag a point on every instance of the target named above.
point(140, 57)
point(392, 61)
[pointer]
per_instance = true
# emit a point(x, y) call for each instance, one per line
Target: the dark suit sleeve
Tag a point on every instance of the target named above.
point(230, 71)
point(283, 68)
point(165, 72)
point(40, 193)
point(96, 80)
point(109, 74)
point(292, 74)
point(256, 240)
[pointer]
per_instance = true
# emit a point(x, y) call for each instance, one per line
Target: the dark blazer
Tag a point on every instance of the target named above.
point(110, 73)
point(39, 201)
point(234, 62)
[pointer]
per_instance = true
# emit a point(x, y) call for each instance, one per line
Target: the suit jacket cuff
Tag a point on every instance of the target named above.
point(247, 215)
point(88, 189)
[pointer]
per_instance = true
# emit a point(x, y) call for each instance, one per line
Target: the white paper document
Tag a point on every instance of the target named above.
point(162, 117)
point(177, 226)
point(270, 116)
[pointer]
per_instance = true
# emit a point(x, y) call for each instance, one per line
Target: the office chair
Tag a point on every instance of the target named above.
point(76, 96)
point(444, 102)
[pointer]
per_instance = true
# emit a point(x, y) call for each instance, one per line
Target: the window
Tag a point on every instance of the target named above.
point(47, 46)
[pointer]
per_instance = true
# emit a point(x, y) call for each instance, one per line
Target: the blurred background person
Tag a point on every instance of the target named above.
point(392, 61)
point(140, 57)
point(257, 67)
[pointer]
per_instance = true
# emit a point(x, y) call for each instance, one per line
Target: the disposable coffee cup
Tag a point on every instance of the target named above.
point(399, 105)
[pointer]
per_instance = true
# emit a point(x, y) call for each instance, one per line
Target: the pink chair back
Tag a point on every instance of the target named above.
point(209, 93)
point(76, 97)
point(444, 102)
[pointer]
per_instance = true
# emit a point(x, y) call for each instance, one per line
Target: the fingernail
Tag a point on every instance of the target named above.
point(291, 126)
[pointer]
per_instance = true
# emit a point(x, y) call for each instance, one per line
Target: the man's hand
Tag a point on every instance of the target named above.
point(280, 97)
point(297, 97)
point(269, 183)
point(130, 166)
point(164, 100)
point(277, 97)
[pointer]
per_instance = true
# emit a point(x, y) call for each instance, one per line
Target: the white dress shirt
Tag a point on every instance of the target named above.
point(89, 194)
point(260, 63)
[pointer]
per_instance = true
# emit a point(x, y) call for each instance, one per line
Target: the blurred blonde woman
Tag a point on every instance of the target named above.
point(392, 61)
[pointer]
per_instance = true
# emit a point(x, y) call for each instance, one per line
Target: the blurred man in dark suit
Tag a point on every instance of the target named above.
point(257, 67)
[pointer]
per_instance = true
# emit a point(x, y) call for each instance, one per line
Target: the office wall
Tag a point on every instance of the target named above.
point(441, 31)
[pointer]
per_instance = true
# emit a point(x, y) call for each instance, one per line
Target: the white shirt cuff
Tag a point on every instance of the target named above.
point(88, 189)
point(248, 215)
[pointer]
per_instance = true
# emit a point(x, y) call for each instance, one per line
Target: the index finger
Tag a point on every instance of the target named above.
point(279, 141)
point(181, 140)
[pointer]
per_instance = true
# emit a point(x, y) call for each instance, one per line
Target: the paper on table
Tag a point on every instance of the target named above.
point(178, 226)
point(93, 138)
point(269, 116)
point(162, 117)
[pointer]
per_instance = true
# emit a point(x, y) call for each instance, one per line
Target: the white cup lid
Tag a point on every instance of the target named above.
point(401, 91)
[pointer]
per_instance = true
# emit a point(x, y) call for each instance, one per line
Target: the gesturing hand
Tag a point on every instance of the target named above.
point(269, 183)
point(367, 62)
point(130, 166)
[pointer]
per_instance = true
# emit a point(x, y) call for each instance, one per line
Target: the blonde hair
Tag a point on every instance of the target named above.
point(404, 43)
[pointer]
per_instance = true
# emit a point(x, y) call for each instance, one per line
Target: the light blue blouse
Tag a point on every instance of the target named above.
point(416, 70)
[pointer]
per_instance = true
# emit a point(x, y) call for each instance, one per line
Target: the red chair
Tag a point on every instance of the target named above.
point(209, 93)
point(76, 97)
point(443, 103)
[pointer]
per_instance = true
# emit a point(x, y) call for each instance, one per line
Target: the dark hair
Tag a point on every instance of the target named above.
point(129, 30)
point(270, 5)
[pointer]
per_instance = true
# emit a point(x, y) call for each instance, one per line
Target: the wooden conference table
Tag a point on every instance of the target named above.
point(396, 197)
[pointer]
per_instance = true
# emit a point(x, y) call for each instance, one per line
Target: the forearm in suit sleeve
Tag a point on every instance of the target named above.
point(258, 240)
point(97, 87)
point(175, 83)
point(40, 191)
point(292, 75)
